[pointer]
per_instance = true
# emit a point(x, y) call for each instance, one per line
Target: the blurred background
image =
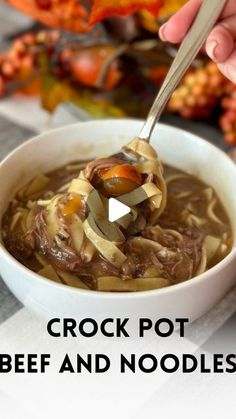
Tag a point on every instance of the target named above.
point(68, 60)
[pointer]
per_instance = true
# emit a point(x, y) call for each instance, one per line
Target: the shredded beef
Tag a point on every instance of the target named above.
point(57, 250)
point(21, 247)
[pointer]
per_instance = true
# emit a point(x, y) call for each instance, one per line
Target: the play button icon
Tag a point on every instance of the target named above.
point(116, 210)
point(103, 212)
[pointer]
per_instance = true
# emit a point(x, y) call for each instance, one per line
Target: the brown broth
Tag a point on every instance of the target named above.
point(187, 198)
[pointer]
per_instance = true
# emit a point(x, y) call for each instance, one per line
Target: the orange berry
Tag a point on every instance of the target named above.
point(230, 138)
point(8, 69)
point(202, 77)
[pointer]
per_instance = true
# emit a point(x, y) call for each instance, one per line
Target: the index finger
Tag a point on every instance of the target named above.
point(178, 25)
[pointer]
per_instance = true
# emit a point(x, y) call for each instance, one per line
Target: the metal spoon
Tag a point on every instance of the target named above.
point(207, 16)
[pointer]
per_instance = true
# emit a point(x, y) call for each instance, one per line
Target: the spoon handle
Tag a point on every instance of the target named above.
point(191, 45)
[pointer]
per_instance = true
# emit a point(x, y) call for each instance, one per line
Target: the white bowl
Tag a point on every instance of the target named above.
point(85, 140)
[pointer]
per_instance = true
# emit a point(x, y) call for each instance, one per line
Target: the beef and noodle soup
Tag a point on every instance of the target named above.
point(57, 225)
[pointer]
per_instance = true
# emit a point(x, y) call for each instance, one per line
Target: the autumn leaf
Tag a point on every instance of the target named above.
point(104, 8)
point(171, 6)
point(54, 92)
point(31, 87)
point(71, 15)
point(65, 14)
point(148, 21)
point(98, 107)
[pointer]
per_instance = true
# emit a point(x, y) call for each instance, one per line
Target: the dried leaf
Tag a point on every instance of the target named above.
point(104, 8)
point(70, 15)
point(31, 87)
point(98, 106)
point(171, 6)
point(148, 21)
point(54, 92)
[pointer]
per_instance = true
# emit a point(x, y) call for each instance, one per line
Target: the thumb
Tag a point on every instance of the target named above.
point(228, 68)
point(220, 43)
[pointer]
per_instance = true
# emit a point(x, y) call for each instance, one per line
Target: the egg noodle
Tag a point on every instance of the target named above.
point(63, 242)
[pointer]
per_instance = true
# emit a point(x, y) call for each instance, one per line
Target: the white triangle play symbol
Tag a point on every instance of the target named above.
point(116, 210)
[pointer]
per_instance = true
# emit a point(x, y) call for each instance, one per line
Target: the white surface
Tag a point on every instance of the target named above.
point(70, 395)
point(28, 112)
point(116, 210)
point(191, 299)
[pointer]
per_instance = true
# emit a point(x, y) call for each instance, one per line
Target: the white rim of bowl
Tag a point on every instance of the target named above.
point(123, 295)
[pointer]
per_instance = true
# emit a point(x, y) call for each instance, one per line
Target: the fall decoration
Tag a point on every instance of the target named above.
point(113, 69)
point(67, 14)
point(105, 8)
point(198, 93)
point(72, 15)
point(204, 92)
point(170, 6)
point(228, 118)
point(17, 66)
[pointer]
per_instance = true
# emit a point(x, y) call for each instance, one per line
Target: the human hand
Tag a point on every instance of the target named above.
point(220, 44)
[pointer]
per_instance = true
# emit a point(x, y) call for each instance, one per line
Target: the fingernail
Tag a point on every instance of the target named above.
point(211, 48)
point(162, 32)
